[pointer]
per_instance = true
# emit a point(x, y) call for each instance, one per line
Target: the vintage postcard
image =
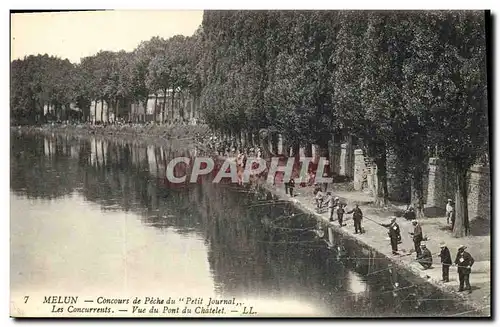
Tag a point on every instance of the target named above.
point(244, 164)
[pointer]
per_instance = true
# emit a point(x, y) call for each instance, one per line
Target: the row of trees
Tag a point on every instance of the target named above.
point(38, 80)
point(399, 82)
point(114, 78)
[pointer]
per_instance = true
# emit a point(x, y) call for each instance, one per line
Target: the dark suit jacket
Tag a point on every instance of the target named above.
point(463, 260)
point(445, 256)
point(394, 231)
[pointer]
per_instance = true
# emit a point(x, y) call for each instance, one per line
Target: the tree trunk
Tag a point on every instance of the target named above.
point(239, 144)
point(84, 115)
point(308, 150)
point(193, 107)
point(109, 105)
point(285, 146)
point(417, 186)
point(417, 194)
point(264, 144)
point(173, 103)
point(181, 107)
point(32, 113)
point(197, 106)
point(381, 191)
point(164, 109)
point(154, 109)
point(461, 227)
point(102, 111)
point(95, 112)
point(296, 150)
point(250, 143)
point(256, 138)
point(116, 109)
point(323, 151)
point(275, 143)
point(244, 139)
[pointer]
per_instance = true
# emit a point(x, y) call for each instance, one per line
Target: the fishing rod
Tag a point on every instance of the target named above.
point(376, 222)
point(263, 203)
point(384, 292)
point(293, 229)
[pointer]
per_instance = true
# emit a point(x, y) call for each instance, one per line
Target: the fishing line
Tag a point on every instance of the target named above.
point(437, 299)
point(401, 302)
point(464, 312)
point(288, 242)
point(385, 292)
point(378, 271)
point(268, 203)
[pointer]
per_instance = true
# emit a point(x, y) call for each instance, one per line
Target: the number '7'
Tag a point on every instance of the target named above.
point(26, 299)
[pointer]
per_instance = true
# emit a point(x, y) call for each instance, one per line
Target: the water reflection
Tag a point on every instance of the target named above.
point(107, 218)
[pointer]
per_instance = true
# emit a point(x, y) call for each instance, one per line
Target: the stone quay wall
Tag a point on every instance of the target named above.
point(439, 185)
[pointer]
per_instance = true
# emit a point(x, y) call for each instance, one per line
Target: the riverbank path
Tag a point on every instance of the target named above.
point(435, 229)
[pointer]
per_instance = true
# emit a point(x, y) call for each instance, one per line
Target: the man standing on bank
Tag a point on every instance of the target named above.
point(331, 206)
point(394, 234)
point(340, 214)
point(291, 186)
point(445, 262)
point(417, 236)
point(464, 262)
point(357, 216)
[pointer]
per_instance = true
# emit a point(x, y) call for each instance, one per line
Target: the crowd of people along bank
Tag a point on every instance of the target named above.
point(463, 259)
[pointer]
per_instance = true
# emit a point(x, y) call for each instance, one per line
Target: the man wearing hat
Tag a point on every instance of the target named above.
point(357, 216)
point(450, 213)
point(319, 197)
point(464, 262)
point(425, 257)
point(409, 213)
point(417, 236)
point(394, 234)
point(291, 186)
point(340, 214)
point(445, 261)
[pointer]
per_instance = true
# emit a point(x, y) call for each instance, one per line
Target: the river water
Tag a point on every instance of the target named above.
point(96, 218)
